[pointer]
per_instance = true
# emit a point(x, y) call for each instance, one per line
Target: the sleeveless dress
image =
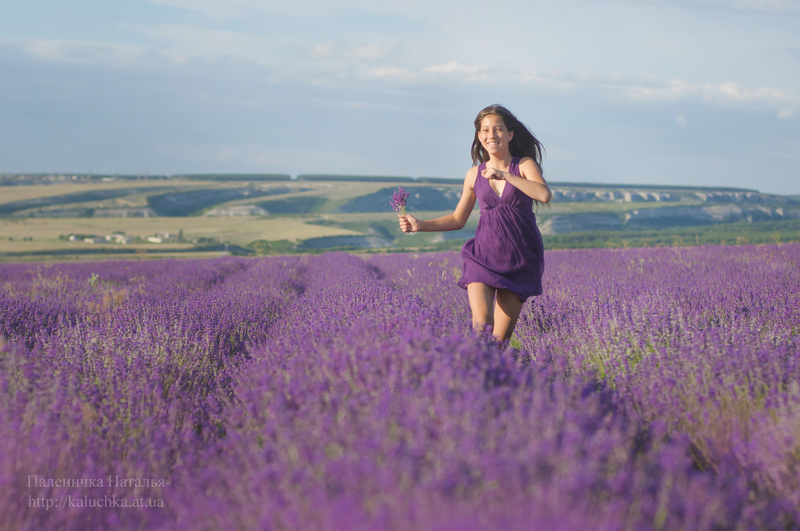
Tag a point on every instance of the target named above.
point(507, 250)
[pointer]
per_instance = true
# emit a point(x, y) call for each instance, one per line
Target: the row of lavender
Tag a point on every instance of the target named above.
point(649, 389)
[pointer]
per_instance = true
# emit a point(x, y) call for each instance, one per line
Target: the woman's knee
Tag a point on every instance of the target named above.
point(480, 322)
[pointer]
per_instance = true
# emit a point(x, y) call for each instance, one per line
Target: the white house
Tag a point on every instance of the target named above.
point(119, 238)
point(161, 237)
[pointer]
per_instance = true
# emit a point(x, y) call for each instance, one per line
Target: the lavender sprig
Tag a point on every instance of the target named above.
point(398, 201)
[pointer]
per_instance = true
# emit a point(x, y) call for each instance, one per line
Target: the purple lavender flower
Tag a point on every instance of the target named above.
point(656, 389)
point(398, 201)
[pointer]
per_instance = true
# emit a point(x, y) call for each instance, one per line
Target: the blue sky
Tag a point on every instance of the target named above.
point(696, 92)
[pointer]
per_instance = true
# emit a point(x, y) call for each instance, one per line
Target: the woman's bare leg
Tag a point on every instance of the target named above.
point(481, 301)
point(506, 313)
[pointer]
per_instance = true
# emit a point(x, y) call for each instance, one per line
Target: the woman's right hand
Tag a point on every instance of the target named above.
point(408, 223)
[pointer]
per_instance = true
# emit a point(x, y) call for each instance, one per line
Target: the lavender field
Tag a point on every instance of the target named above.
point(646, 389)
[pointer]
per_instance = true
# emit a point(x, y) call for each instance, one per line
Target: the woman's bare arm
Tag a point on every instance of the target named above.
point(454, 221)
point(531, 183)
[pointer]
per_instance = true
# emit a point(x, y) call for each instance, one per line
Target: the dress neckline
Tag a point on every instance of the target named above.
point(514, 160)
point(500, 195)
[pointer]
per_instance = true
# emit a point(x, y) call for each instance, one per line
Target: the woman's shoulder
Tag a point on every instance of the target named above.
point(472, 174)
point(530, 166)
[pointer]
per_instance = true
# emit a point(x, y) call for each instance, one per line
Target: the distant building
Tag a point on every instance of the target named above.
point(162, 237)
point(120, 238)
point(239, 210)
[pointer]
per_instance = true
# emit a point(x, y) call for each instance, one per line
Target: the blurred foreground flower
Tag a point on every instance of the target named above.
point(398, 201)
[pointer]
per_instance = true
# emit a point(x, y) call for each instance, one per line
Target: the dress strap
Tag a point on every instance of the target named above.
point(481, 167)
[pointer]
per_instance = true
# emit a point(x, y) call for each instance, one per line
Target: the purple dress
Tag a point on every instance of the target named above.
point(507, 250)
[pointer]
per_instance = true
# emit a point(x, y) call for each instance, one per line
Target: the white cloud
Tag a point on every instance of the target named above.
point(453, 66)
point(681, 120)
point(652, 90)
point(439, 54)
point(85, 53)
point(356, 105)
point(324, 50)
point(218, 10)
point(765, 6)
point(340, 51)
point(728, 93)
point(223, 9)
point(387, 71)
point(193, 42)
point(674, 90)
point(770, 6)
point(373, 51)
point(335, 62)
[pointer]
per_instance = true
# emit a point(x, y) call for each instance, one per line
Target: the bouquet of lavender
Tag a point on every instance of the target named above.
point(398, 201)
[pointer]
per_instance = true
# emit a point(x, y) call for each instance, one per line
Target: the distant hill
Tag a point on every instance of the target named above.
point(66, 199)
point(227, 177)
point(567, 184)
point(634, 194)
point(191, 202)
point(360, 204)
point(294, 205)
point(664, 217)
point(650, 206)
point(420, 199)
point(322, 212)
point(354, 178)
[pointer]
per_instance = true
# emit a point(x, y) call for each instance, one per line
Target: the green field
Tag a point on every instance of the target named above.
point(45, 232)
point(272, 214)
point(728, 234)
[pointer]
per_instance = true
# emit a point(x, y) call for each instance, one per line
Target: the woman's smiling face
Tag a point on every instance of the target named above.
point(493, 135)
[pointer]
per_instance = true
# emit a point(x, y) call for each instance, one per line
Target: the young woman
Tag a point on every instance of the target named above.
point(503, 264)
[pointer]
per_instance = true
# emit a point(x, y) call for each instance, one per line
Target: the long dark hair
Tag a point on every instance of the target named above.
point(524, 144)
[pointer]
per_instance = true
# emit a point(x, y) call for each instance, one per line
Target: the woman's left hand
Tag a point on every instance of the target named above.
point(491, 173)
